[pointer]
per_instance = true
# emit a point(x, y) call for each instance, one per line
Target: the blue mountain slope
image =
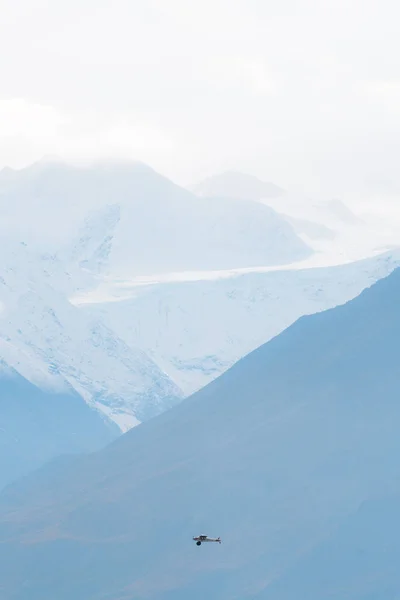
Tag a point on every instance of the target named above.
point(275, 456)
point(36, 426)
point(359, 560)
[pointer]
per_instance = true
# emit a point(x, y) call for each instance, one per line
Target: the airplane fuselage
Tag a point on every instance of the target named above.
point(204, 538)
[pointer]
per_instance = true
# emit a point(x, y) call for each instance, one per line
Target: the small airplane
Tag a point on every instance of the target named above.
point(204, 538)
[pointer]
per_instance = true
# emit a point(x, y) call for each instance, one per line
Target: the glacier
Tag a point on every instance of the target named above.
point(196, 329)
point(56, 346)
point(95, 306)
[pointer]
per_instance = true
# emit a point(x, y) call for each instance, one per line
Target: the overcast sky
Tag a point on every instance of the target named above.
point(305, 93)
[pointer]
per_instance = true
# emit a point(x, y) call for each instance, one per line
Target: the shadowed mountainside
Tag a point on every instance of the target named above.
point(37, 426)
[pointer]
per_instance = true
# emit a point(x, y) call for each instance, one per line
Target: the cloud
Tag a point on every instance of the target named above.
point(301, 92)
point(21, 118)
point(30, 130)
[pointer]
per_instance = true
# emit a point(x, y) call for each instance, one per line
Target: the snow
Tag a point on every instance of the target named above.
point(56, 346)
point(337, 232)
point(133, 221)
point(233, 184)
point(300, 430)
point(198, 327)
point(134, 292)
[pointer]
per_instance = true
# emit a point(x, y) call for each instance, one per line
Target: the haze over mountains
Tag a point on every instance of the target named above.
point(199, 300)
point(38, 425)
point(329, 226)
point(300, 455)
point(233, 184)
point(156, 225)
point(125, 292)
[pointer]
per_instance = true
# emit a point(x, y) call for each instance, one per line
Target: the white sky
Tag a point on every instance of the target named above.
point(305, 93)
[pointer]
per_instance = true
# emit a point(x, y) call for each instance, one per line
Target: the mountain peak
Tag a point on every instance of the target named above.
point(237, 185)
point(342, 212)
point(163, 227)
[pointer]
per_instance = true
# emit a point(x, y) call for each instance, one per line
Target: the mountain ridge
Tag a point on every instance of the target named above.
point(162, 226)
point(274, 480)
point(236, 185)
point(37, 425)
point(52, 343)
point(197, 329)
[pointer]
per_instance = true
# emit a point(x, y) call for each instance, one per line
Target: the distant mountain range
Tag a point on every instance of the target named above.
point(236, 185)
point(133, 221)
point(75, 232)
point(291, 456)
point(314, 219)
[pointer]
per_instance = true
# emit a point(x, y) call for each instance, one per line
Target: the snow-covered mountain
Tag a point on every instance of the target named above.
point(140, 222)
point(91, 248)
point(87, 226)
point(57, 347)
point(291, 456)
point(197, 329)
point(327, 225)
point(233, 184)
